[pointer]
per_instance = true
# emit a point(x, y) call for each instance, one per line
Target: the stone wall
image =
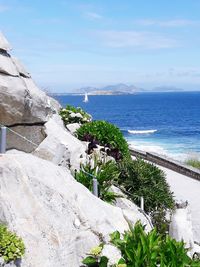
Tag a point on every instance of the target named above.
point(168, 163)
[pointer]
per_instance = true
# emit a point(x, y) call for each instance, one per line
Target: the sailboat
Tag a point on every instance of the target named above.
point(86, 98)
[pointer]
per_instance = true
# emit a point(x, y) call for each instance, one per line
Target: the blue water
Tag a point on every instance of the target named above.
point(175, 116)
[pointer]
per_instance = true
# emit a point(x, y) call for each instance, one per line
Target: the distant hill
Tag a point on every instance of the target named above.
point(117, 89)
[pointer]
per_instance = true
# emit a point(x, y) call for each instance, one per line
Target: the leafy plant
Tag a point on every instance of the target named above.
point(71, 114)
point(140, 178)
point(105, 134)
point(141, 249)
point(105, 173)
point(11, 246)
point(94, 258)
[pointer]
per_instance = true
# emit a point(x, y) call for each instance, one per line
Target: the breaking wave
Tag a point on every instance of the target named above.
point(141, 131)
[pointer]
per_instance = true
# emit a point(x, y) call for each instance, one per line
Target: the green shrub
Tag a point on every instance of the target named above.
point(71, 114)
point(105, 173)
point(140, 178)
point(11, 246)
point(105, 134)
point(193, 162)
point(141, 249)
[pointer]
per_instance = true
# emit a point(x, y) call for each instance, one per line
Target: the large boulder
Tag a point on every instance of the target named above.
point(181, 227)
point(60, 146)
point(22, 103)
point(58, 218)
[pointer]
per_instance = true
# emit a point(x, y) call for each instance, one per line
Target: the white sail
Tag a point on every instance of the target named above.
point(86, 98)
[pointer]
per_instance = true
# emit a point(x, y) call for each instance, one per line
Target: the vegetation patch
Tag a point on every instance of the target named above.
point(71, 114)
point(107, 135)
point(105, 173)
point(193, 163)
point(11, 246)
point(141, 249)
point(143, 179)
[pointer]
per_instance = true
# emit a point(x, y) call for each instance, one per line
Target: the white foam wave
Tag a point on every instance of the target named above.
point(141, 131)
point(159, 149)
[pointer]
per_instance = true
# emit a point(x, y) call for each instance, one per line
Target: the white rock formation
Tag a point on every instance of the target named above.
point(60, 146)
point(21, 101)
point(72, 127)
point(58, 218)
point(181, 227)
point(127, 206)
point(112, 253)
point(4, 45)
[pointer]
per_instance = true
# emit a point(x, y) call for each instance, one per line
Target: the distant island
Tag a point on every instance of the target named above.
point(119, 89)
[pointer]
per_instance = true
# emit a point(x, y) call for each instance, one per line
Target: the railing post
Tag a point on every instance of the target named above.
point(3, 140)
point(95, 187)
point(142, 203)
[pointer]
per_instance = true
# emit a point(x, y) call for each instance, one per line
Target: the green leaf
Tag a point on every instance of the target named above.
point(103, 261)
point(89, 260)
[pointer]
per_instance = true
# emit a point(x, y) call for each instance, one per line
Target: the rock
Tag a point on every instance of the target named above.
point(181, 226)
point(20, 68)
point(34, 133)
point(16, 263)
point(22, 104)
point(1, 262)
point(112, 253)
point(58, 218)
point(72, 127)
point(4, 45)
point(128, 208)
point(61, 147)
point(7, 66)
point(21, 101)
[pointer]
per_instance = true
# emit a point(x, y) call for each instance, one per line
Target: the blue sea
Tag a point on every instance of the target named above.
point(165, 123)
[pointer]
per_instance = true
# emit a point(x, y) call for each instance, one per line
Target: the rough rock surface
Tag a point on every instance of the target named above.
point(181, 226)
point(72, 127)
point(34, 133)
point(60, 146)
point(22, 103)
point(4, 45)
point(128, 206)
point(58, 218)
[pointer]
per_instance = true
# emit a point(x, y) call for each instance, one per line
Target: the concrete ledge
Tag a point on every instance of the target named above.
point(168, 163)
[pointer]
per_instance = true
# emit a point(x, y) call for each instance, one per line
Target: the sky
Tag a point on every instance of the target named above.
point(66, 44)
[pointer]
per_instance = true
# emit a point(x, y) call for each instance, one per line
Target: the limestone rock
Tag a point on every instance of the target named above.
point(128, 208)
point(7, 66)
point(112, 253)
point(20, 68)
point(72, 127)
point(4, 45)
point(35, 133)
point(61, 147)
point(181, 226)
point(22, 102)
point(58, 218)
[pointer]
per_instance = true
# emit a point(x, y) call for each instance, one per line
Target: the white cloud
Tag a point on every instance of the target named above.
point(168, 23)
point(93, 15)
point(136, 39)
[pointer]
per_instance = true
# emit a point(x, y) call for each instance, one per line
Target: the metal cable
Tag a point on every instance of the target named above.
point(23, 137)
